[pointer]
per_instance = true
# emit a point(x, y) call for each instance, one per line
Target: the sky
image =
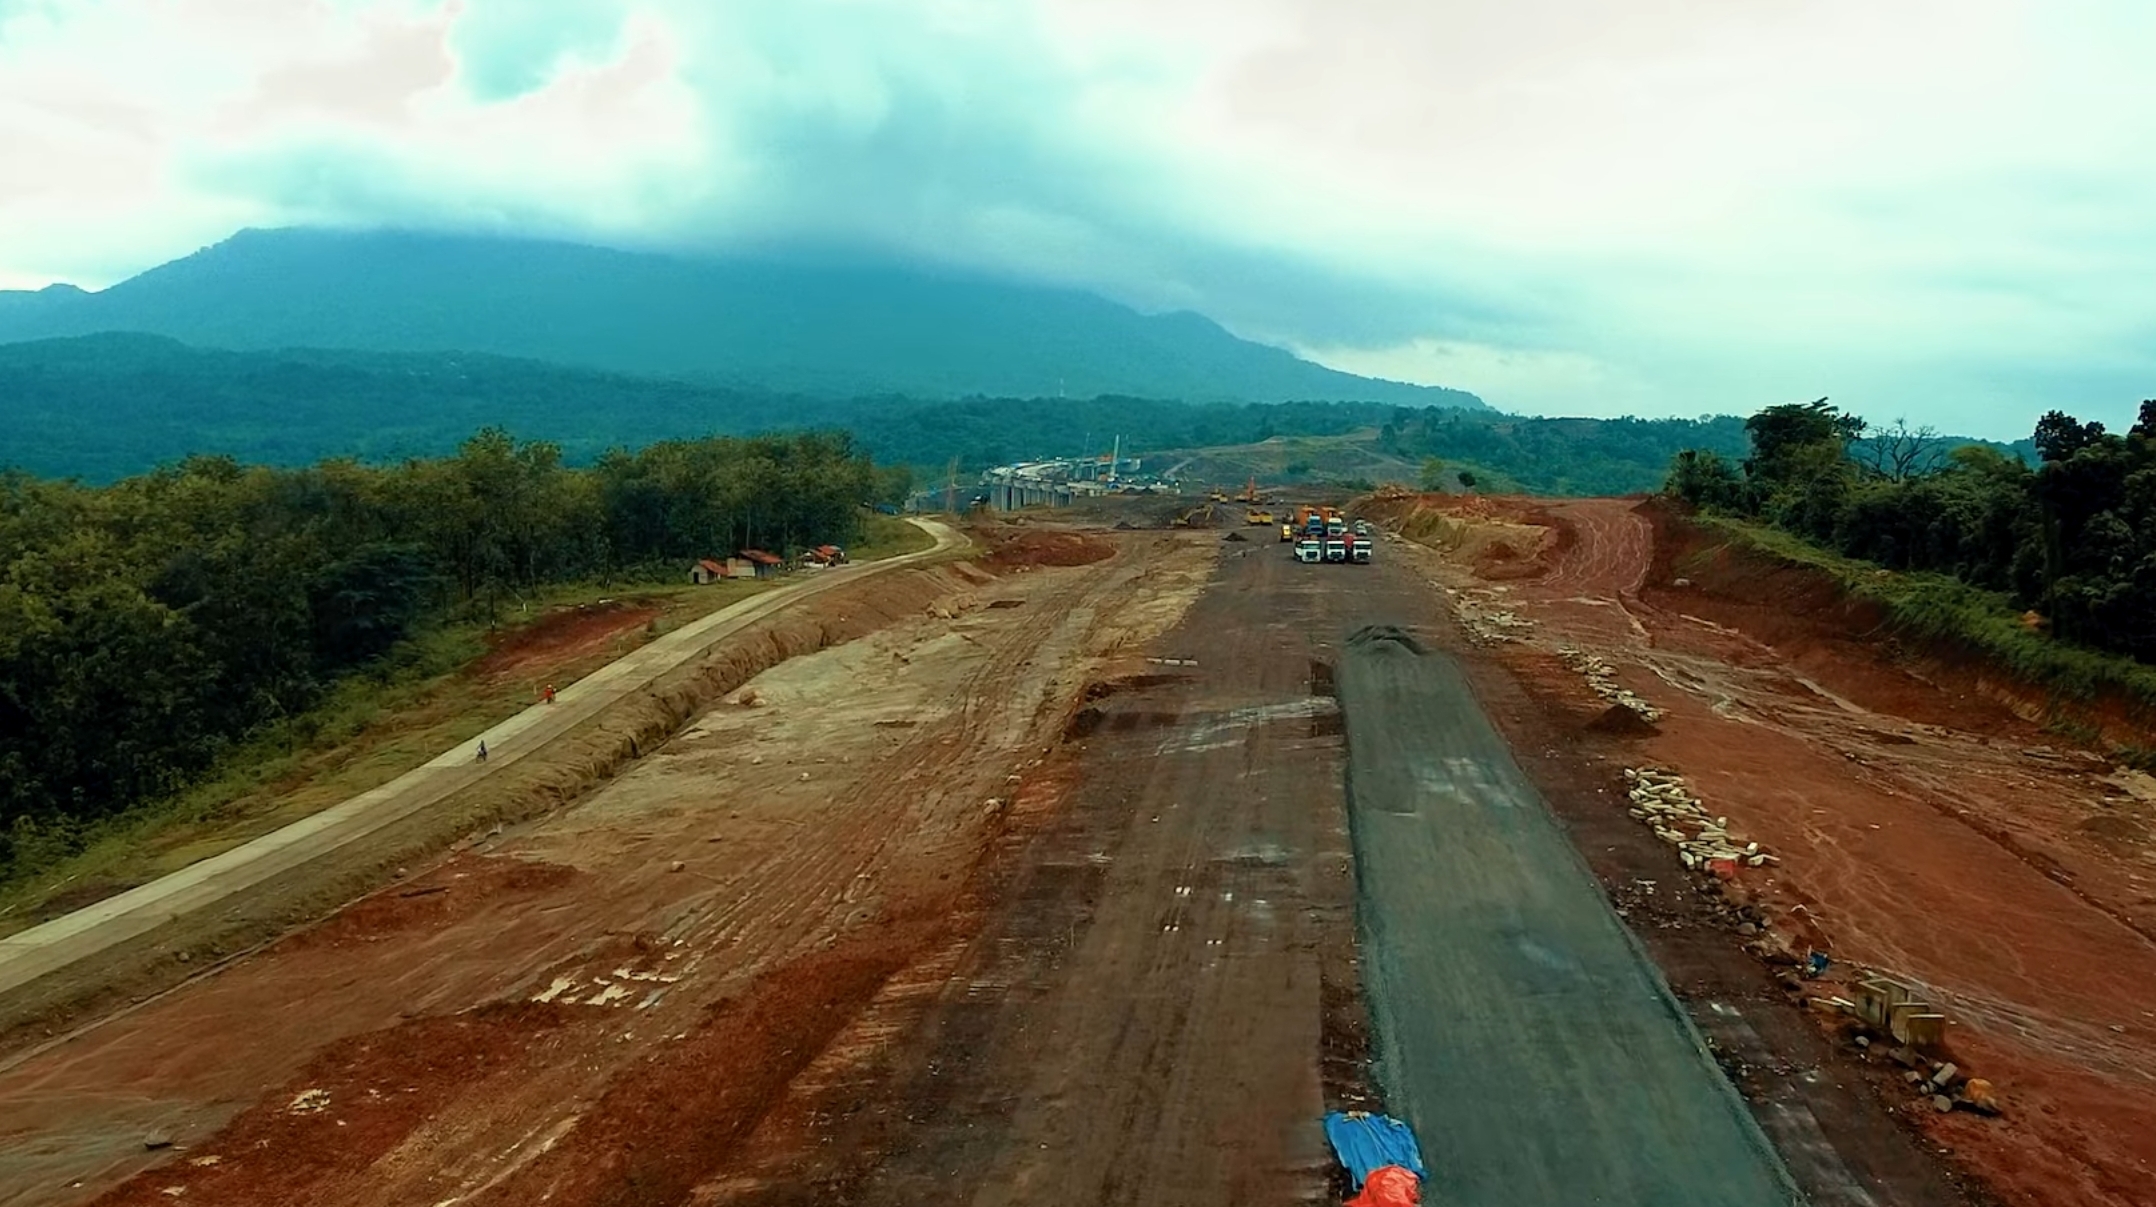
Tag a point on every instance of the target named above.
point(1944, 212)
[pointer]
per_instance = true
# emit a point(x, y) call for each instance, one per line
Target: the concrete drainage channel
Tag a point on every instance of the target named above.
point(1520, 1028)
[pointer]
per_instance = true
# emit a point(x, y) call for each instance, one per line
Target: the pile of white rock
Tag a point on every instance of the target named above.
point(1660, 799)
point(1602, 679)
point(1488, 625)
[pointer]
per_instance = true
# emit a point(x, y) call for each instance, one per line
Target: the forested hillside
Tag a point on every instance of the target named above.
point(104, 407)
point(786, 327)
point(2072, 539)
point(147, 626)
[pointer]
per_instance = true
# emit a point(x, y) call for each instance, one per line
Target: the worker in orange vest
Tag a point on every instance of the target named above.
point(548, 693)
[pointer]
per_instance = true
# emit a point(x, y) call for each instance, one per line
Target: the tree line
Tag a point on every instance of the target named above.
point(2072, 538)
point(148, 625)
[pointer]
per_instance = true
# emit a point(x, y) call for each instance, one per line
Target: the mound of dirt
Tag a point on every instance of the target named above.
point(1010, 550)
point(1235, 536)
point(1620, 721)
point(1502, 537)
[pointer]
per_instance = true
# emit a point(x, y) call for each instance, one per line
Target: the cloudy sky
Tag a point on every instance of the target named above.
point(1940, 210)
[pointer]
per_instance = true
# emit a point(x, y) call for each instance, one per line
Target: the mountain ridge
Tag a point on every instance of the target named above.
point(784, 327)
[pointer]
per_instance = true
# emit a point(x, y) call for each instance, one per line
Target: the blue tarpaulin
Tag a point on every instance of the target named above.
point(1364, 1142)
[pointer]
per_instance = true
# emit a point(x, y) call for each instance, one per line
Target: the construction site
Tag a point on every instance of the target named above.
point(1115, 855)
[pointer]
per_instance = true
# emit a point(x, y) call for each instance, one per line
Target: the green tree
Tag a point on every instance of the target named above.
point(1433, 474)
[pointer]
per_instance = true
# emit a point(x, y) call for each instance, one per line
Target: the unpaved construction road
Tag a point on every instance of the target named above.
point(1037, 890)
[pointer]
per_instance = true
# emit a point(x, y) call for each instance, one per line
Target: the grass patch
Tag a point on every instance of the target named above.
point(427, 696)
point(1954, 614)
point(884, 536)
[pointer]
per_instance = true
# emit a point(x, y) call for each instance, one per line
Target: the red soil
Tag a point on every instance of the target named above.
point(562, 636)
point(1923, 828)
point(1010, 549)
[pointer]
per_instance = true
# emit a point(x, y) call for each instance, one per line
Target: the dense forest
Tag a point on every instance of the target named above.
point(104, 407)
point(148, 625)
point(2072, 539)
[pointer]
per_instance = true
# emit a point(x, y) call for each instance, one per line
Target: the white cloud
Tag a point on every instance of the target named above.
point(1680, 204)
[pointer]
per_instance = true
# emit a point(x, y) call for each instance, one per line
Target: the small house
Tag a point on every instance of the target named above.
point(706, 572)
point(764, 564)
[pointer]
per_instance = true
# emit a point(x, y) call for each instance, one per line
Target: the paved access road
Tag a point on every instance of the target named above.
point(1520, 1028)
point(43, 949)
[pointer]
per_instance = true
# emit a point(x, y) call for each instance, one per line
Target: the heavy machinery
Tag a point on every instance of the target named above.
point(1309, 550)
point(1336, 549)
point(1262, 519)
point(1360, 547)
point(1250, 491)
point(1287, 533)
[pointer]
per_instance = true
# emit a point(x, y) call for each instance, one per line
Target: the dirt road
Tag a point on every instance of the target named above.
point(1165, 936)
point(1039, 892)
point(41, 950)
point(1164, 996)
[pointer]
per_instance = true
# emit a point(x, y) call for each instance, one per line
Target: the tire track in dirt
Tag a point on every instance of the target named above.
point(923, 808)
point(663, 967)
point(1141, 1019)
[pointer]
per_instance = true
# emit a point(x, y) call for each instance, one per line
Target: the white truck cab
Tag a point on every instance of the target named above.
point(1309, 551)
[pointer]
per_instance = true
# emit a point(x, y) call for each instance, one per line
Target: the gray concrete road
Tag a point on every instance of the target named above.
point(40, 950)
point(1520, 1028)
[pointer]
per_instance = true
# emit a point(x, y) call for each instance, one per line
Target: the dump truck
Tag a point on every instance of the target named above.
point(1260, 518)
point(1336, 549)
point(1360, 548)
point(1287, 533)
point(1309, 550)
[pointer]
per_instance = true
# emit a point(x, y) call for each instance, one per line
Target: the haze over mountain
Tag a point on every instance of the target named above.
point(812, 328)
